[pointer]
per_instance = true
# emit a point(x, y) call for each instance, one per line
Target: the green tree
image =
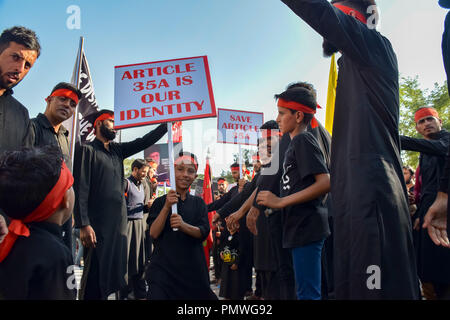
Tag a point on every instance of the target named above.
point(412, 97)
point(127, 166)
point(245, 156)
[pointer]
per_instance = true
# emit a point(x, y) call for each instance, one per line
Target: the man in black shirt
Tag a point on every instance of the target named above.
point(437, 220)
point(19, 49)
point(47, 129)
point(100, 210)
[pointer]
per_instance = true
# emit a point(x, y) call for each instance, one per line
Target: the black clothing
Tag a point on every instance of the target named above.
point(44, 134)
point(38, 267)
point(433, 262)
point(446, 55)
point(306, 222)
point(177, 265)
point(219, 203)
point(15, 126)
point(232, 285)
point(370, 208)
point(239, 199)
point(283, 259)
point(100, 202)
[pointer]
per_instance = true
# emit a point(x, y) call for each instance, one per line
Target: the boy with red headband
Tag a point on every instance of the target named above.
point(178, 268)
point(305, 182)
point(33, 259)
point(433, 261)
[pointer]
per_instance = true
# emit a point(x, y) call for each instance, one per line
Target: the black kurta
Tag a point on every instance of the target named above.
point(100, 202)
point(433, 262)
point(177, 265)
point(446, 56)
point(370, 208)
point(15, 126)
point(38, 267)
point(44, 134)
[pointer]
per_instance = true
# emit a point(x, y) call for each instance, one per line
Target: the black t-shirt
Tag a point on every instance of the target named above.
point(307, 222)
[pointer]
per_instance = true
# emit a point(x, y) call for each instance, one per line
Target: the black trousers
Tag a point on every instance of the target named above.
point(285, 270)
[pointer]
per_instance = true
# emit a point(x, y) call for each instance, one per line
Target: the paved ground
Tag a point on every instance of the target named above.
point(214, 287)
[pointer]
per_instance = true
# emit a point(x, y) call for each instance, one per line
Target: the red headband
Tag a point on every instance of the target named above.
point(299, 107)
point(425, 112)
point(348, 10)
point(188, 159)
point(235, 168)
point(256, 157)
point(266, 133)
point(105, 116)
point(65, 93)
point(47, 207)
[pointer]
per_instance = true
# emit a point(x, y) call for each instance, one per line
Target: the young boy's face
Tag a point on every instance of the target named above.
point(287, 121)
point(185, 174)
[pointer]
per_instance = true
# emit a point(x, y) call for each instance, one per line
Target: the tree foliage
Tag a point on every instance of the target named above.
point(412, 97)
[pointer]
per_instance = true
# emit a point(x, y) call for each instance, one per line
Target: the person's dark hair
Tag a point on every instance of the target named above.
point(411, 170)
point(360, 5)
point(69, 86)
point(26, 177)
point(269, 125)
point(139, 163)
point(20, 35)
point(302, 95)
point(188, 154)
point(305, 85)
point(234, 165)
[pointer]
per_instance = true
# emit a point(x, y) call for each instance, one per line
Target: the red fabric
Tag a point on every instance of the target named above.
point(208, 198)
point(188, 159)
point(348, 10)
point(266, 133)
point(65, 93)
point(425, 112)
point(299, 107)
point(105, 116)
point(177, 135)
point(47, 207)
point(417, 185)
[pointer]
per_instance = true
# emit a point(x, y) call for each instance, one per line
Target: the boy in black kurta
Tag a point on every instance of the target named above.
point(177, 269)
point(34, 262)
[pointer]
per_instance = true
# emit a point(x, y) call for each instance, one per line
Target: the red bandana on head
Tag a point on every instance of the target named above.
point(425, 112)
point(105, 116)
point(65, 93)
point(348, 10)
point(299, 107)
point(186, 159)
point(47, 207)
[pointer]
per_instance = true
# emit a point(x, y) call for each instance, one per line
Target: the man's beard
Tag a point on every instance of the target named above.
point(107, 133)
point(4, 85)
point(328, 48)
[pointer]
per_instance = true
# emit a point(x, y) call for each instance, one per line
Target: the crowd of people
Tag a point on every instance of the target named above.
point(338, 218)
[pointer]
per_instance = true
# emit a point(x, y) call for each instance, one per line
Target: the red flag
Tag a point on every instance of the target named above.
point(177, 136)
point(208, 198)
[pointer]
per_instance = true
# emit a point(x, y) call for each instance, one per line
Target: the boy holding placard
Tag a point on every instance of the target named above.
point(177, 269)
